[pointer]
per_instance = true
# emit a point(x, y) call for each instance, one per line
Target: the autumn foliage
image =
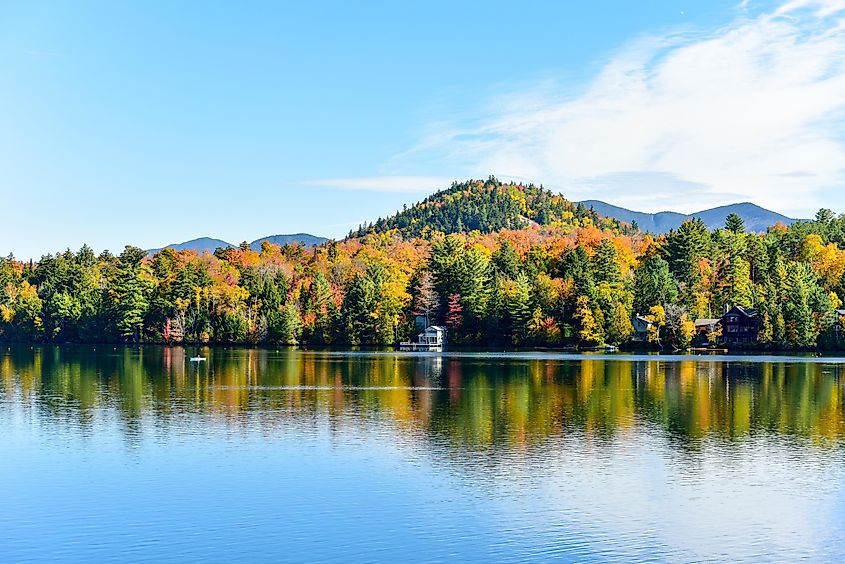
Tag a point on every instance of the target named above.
point(528, 268)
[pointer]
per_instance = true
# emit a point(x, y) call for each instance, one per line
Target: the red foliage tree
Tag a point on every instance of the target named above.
point(454, 312)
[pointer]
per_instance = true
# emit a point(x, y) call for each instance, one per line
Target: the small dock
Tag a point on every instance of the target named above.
point(424, 347)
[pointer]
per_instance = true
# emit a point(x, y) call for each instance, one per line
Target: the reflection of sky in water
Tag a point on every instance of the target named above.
point(331, 457)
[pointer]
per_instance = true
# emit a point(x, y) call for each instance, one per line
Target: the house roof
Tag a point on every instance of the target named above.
point(746, 311)
point(706, 322)
point(435, 328)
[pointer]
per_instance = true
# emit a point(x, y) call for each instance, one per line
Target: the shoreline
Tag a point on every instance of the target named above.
point(466, 352)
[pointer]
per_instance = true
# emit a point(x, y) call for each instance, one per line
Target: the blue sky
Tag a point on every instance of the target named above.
point(156, 122)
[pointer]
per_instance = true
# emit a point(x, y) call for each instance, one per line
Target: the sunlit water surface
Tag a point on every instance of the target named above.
point(138, 454)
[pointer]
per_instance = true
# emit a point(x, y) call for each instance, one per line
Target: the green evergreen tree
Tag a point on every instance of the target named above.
point(734, 223)
point(290, 325)
point(653, 284)
point(517, 310)
point(474, 287)
point(506, 260)
point(357, 308)
point(606, 263)
point(578, 266)
point(686, 246)
point(800, 329)
point(130, 294)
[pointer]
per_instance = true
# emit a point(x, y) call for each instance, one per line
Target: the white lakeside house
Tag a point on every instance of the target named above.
point(432, 339)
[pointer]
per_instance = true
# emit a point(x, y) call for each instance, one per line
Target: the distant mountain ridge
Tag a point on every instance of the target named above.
point(208, 244)
point(304, 239)
point(490, 206)
point(756, 218)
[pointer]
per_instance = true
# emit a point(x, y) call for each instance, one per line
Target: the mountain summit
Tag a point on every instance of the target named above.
point(486, 206)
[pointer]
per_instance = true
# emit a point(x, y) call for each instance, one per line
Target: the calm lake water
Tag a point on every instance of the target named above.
point(137, 454)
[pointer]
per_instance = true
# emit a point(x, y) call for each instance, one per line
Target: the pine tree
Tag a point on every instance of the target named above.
point(506, 260)
point(606, 263)
point(517, 307)
point(445, 265)
point(734, 223)
point(738, 287)
point(290, 325)
point(130, 294)
point(653, 284)
point(686, 246)
point(800, 329)
point(758, 259)
point(358, 306)
point(578, 266)
point(474, 287)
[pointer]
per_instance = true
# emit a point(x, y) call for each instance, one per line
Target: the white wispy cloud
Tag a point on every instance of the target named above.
point(410, 184)
point(685, 120)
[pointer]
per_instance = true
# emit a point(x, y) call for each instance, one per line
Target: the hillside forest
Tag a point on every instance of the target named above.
point(497, 264)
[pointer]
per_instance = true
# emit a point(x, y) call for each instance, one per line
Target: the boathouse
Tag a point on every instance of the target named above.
point(432, 339)
point(433, 335)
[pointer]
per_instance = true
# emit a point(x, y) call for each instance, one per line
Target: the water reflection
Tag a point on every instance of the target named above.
point(139, 454)
point(472, 402)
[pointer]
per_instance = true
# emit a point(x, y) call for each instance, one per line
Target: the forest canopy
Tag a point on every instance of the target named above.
point(495, 263)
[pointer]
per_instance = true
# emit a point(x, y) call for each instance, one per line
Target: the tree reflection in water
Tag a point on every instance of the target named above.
point(471, 401)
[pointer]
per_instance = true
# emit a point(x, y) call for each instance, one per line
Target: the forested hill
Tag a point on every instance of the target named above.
point(487, 206)
point(560, 285)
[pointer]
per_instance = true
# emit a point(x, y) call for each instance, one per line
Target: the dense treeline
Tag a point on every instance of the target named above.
point(574, 282)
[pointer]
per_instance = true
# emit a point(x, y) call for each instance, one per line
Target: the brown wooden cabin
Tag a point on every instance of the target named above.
point(740, 325)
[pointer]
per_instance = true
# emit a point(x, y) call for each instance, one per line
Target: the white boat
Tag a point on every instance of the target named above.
point(197, 359)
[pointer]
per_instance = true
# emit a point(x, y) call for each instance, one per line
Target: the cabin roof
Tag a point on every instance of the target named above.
point(435, 328)
point(706, 322)
point(746, 311)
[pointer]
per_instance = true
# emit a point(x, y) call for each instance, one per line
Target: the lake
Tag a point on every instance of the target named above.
point(127, 454)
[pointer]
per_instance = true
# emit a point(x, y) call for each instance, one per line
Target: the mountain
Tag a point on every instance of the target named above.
point(756, 219)
point(303, 239)
point(486, 206)
point(207, 244)
point(199, 245)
